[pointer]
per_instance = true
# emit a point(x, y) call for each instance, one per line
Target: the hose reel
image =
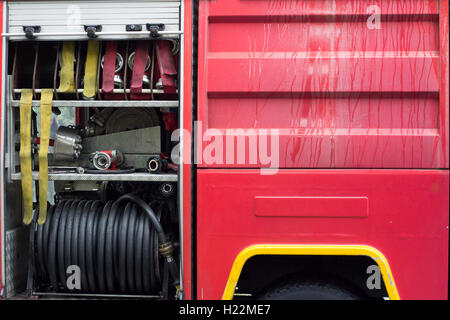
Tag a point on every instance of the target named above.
point(120, 247)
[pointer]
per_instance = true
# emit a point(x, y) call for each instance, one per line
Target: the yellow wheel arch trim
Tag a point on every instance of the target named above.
point(322, 250)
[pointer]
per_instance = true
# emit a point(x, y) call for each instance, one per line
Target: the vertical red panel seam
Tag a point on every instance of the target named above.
point(187, 120)
point(203, 43)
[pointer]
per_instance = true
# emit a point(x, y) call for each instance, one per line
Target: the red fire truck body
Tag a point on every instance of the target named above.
point(352, 99)
point(363, 120)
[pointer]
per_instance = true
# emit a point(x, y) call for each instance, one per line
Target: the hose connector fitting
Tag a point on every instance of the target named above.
point(166, 249)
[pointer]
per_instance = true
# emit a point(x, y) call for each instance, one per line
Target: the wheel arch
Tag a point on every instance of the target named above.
point(310, 250)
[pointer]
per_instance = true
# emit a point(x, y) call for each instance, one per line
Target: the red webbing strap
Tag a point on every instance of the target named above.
point(109, 67)
point(170, 121)
point(166, 65)
point(139, 63)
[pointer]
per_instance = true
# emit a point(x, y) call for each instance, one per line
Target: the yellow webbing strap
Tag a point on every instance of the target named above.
point(46, 116)
point(67, 82)
point(90, 73)
point(25, 154)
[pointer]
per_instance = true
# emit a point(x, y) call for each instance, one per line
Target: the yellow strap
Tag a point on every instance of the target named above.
point(67, 82)
point(46, 116)
point(90, 73)
point(25, 154)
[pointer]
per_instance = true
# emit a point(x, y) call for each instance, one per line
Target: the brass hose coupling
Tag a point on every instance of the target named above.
point(166, 250)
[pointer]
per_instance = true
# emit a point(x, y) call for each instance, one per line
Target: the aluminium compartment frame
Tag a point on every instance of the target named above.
point(7, 106)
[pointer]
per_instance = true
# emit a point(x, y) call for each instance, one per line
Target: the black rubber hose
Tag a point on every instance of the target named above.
point(110, 245)
point(52, 266)
point(116, 226)
point(122, 237)
point(147, 256)
point(101, 247)
point(42, 236)
point(82, 246)
point(75, 230)
point(46, 238)
point(138, 252)
point(131, 237)
point(156, 263)
point(172, 264)
point(68, 235)
point(60, 238)
point(90, 245)
point(130, 197)
point(115, 245)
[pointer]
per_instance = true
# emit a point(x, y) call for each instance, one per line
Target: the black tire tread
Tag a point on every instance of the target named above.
point(310, 290)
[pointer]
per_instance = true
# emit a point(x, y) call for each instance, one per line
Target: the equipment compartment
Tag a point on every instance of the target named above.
point(90, 113)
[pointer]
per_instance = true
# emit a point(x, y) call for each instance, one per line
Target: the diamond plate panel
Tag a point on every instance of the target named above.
point(16, 261)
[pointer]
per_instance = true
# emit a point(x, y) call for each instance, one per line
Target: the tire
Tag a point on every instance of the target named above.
point(307, 290)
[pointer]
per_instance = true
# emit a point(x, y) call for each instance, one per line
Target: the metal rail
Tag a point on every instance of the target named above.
point(93, 295)
point(105, 103)
point(155, 91)
point(98, 34)
point(137, 176)
point(101, 103)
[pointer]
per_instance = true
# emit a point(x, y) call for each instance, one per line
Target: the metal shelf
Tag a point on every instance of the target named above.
point(51, 295)
point(122, 91)
point(168, 177)
point(105, 103)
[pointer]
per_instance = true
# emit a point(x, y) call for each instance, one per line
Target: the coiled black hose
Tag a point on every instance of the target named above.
point(116, 245)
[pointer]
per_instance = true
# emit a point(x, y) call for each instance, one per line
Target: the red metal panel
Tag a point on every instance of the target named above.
point(342, 93)
point(407, 221)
